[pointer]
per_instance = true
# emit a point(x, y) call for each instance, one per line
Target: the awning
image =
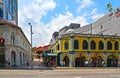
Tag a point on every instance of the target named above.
point(2, 45)
point(50, 54)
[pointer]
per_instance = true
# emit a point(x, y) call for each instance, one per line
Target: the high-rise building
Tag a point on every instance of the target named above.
point(9, 10)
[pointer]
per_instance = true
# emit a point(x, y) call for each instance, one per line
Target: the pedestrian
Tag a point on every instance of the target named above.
point(86, 63)
point(27, 64)
point(61, 64)
point(8, 64)
point(39, 63)
point(64, 64)
point(52, 62)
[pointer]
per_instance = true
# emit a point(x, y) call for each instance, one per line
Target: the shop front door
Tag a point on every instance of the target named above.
point(96, 61)
point(112, 61)
point(2, 57)
point(66, 61)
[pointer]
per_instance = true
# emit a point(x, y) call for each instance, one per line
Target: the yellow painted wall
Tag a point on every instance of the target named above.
point(82, 54)
point(96, 39)
point(112, 41)
point(80, 39)
point(115, 54)
point(63, 41)
point(94, 55)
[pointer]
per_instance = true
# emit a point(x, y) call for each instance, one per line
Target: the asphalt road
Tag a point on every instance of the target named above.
point(61, 73)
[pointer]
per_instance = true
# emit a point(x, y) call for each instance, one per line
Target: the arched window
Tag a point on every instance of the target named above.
point(85, 45)
point(12, 38)
point(76, 44)
point(13, 58)
point(116, 45)
point(66, 45)
point(101, 45)
point(1, 13)
point(109, 45)
point(93, 45)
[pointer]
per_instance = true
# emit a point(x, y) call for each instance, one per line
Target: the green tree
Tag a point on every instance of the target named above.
point(109, 7)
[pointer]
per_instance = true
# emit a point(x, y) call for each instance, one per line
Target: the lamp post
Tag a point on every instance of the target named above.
point(31, 43)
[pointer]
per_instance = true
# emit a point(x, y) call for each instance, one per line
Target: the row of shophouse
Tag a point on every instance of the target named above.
point(95, 45)
point(38, 52)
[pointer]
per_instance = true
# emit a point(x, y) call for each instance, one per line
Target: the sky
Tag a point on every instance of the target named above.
point(48, 16)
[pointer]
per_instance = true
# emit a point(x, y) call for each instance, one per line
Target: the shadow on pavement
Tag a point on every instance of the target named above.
point(27, 68)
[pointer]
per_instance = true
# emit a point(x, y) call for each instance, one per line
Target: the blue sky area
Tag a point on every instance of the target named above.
point(47, 16)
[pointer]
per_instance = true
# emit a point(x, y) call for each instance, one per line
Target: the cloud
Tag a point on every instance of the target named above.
point(95, 15)
point(66, 8)
point(92, 15)
point(83, 4)
point(36, 9)
point(32, 12)
point(45, 31)
point(64, 20)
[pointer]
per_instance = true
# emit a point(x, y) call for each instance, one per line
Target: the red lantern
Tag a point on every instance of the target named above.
point(2, 40)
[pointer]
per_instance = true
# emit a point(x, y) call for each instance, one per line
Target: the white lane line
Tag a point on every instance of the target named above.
point(118, 76)
point(77, 77)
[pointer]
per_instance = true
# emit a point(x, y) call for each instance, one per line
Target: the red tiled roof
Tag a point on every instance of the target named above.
point(2, 21)
point(41, 48)
point(8, 23)
point(11, 24)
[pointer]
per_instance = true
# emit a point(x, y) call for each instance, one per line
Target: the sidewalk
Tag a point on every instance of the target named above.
point(87, 67)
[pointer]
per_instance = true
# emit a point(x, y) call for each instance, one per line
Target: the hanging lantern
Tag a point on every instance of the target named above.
point(2, 40)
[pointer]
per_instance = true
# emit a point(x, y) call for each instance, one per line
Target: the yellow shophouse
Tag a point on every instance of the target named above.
point(81, 50)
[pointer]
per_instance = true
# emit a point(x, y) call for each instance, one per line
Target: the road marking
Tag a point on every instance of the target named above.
point(118, 76)
point(77, 77)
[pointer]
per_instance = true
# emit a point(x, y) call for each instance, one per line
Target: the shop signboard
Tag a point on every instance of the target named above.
point(50, 54)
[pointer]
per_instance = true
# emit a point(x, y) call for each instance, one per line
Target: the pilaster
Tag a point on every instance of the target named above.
point(71, 63)
point(105, 59)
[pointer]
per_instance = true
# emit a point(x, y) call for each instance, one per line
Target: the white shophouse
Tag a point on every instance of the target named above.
point(15, 49)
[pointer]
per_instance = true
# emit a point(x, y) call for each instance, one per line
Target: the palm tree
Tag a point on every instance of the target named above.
point(109, 7)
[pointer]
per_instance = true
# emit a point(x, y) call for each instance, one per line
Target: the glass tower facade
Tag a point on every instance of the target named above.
point(9, 10)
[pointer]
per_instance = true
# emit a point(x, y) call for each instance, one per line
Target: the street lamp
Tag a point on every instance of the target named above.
point(31, 41)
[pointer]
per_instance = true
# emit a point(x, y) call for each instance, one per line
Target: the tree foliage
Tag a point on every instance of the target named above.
point(109, 7)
